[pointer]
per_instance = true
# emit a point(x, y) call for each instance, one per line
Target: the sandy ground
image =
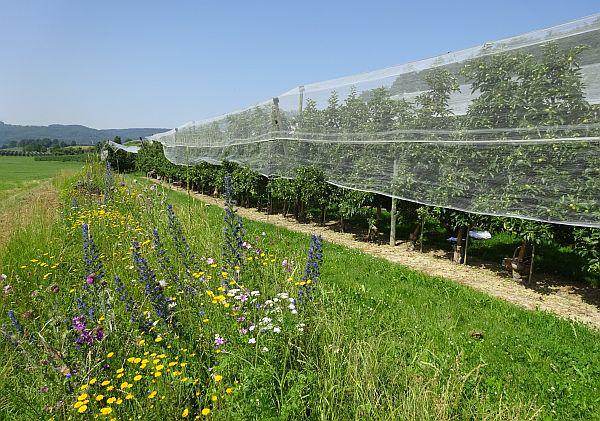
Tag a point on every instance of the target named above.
point(568, 299)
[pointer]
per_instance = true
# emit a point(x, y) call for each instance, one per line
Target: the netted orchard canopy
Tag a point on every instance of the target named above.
point(118, 147)
point(508, 128)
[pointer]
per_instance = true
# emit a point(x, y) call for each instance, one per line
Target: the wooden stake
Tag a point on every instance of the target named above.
point(393, 210)
point(421, 238)
point(466, 246)
point(531, 264)
point(300, 99)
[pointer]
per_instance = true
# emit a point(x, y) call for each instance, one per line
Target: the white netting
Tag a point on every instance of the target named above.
point(119, 147)
point(509, 128)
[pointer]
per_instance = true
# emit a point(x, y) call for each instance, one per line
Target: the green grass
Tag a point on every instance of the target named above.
point(393, 326)
point(22, 172)
point(382, 341)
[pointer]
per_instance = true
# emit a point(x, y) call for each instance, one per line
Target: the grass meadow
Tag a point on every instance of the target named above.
point(139, 303)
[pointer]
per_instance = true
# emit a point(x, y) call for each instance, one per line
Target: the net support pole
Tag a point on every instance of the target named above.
point(276, 114)
point(393, 214)
point(300, 99)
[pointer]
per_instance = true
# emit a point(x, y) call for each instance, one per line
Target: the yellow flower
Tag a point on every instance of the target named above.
point(111, 400)
point(77, 404)
point(82, 397)
point(218, 378)
point(93, 381)
point(205, 411)
point(160, 367)
point(109, 388)
point(183, 364)
point(152, 394)
point(141, 342)
point(214, 398)
point(229, 390)
point(158, 339)
point(99, 397)
point(119, 401)
point(155, 361)
point(82, 409)
point(185, 413)
point(131, 359)
point(104, 383)
point(106, 411)
point(137, 360)
point(158, 374)
point(110, 355)
point(84, 386)
point(120, 370)
point(125, 385)
point(172, 363)
point(120, 375)
point(129, 396)
point(137, 378)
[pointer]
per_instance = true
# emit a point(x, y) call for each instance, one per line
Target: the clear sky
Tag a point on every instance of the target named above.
point(113, 64)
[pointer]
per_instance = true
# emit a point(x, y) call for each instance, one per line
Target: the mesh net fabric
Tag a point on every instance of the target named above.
point(119, 147)
point(509, 128)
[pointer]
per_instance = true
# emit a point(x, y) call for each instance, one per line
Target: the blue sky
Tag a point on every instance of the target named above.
point(109, 64)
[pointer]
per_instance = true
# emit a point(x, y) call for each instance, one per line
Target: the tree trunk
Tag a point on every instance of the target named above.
point(457, 257)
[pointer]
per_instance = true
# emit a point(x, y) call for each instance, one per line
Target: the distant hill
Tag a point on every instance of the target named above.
point(77, 133)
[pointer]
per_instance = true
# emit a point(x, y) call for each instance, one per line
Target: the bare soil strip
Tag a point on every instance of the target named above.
point(565, 298)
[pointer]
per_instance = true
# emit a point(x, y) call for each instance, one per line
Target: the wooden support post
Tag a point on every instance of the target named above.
point(393, 210)
point(531, 264)
point(300, 99)
point(421, 237)
point(466, 246)
point(276, 116)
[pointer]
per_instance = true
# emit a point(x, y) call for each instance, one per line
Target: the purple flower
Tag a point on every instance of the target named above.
point(210, 261)
point(79, 323)
point(219, 341)
point(8, 290)
point(90, 279)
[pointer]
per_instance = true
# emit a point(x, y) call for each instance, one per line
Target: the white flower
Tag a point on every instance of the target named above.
point(300, 327)
point(255, 293)
point(162, 283)
point(263, 233)
point(252, 340)
point(276, 329)
point(292, 306)
point(3, 277)
point(264, 349)
point(294, 311)
point(252, 327)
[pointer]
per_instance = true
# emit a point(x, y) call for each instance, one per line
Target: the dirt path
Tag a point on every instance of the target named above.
point(41, 201)
point(567, 299)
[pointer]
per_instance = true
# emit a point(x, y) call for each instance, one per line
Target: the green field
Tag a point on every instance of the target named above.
point(380, 342)
point(20, 173)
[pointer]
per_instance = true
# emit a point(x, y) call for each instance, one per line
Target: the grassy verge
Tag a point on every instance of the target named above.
point(379, 341)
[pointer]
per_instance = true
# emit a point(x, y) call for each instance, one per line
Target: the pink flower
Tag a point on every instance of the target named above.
point(89, 279)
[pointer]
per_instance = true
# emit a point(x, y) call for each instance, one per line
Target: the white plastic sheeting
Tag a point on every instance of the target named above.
point(380, 131)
